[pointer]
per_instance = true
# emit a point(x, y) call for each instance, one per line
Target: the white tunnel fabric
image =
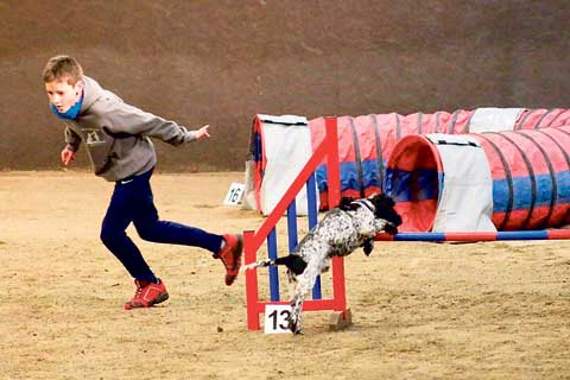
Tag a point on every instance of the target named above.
point(287, 149)
point(466, 197)
point(492, 119)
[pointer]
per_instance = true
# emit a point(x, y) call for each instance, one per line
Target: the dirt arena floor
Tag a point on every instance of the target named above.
point(487, 310)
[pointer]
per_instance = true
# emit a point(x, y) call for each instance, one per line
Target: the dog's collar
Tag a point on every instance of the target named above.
point(366, 203)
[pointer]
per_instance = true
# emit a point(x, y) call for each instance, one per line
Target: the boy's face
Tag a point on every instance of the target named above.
point(62, 94)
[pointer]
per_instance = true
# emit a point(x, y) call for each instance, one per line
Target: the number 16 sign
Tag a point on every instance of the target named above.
point(235, 194)
point(276, 317)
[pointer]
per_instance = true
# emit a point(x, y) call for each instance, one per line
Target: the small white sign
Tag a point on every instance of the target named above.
point(276, 317)
point(235, 194)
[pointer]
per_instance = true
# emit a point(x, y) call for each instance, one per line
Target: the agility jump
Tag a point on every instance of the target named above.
point(327, 150)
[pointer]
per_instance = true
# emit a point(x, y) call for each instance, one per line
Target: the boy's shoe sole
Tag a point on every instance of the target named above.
point(144, 295)
point(161, 298)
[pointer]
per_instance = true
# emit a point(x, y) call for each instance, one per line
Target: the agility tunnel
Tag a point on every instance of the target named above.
point(516, 180)
point(280, 145)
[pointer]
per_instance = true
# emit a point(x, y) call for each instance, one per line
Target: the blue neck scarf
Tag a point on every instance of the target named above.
point(71, 114)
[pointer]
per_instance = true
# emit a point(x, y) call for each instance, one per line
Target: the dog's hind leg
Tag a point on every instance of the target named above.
point(305, 283)
point(295, 320)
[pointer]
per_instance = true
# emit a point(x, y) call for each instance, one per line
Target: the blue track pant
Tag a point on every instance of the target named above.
point(132, 201)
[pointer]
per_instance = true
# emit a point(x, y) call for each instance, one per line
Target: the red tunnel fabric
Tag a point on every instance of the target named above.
point(530, 171)
point(542, 118)
point(370, 140)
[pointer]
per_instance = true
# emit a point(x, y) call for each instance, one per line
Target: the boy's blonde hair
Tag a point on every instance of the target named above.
point(61, 66)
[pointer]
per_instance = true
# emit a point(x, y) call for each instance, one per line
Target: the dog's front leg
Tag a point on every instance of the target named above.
point(368, 246)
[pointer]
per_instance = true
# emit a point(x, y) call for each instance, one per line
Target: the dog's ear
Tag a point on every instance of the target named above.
point(382, 201)
point(348, 204)
point(345, 204)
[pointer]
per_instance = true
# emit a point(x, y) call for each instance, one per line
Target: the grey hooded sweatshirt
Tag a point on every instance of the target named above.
point(117, 135)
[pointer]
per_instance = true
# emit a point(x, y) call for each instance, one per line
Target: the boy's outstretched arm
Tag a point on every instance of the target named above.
point(122, 118)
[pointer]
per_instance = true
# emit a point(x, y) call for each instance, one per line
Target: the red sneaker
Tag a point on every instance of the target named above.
point(147, 294)
point(231, 256)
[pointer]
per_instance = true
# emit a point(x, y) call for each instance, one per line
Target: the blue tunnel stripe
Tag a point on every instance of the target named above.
point(522, 191)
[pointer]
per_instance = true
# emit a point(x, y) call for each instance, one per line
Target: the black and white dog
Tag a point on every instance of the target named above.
point(351, 225)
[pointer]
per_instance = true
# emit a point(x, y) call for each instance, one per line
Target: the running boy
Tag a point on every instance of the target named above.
point(117, 136)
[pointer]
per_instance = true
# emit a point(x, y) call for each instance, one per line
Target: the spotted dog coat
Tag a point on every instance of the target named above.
point(341, 231)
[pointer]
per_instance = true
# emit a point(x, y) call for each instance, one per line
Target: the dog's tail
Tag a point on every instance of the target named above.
point(260, 264)
point(293, 262)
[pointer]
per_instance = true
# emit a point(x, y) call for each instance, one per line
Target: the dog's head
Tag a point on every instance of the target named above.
point(383, 208)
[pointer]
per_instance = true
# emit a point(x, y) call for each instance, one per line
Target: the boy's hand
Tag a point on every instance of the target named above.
point(67, 155)
point(203, 133)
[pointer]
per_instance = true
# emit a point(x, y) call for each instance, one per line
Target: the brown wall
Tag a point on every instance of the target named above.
point(223, 61)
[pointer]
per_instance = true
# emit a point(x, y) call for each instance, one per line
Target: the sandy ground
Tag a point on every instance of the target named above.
point(487, 310)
